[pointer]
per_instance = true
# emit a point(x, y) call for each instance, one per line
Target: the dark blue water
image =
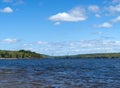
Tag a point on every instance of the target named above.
point(60, 73)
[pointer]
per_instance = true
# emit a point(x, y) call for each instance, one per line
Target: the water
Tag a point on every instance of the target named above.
point(60, 73)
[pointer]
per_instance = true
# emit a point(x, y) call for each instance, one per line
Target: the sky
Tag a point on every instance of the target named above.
point(60, 27)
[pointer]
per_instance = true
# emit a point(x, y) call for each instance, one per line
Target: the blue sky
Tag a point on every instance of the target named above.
point(60, 27)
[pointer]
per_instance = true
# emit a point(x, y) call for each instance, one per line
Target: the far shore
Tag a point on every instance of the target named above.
point(8, 58)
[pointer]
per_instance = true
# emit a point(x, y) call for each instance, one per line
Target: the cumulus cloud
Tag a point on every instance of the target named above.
point(93, 8)
point(98, 33)
point(6, 10)
point(74, 47)
point(41, 42)
point(108, 24)
point(57, 23)
point(116, 19)
point(104, 25)
point(26, 44)
point(79, 47)
point(115, 8)
point(115, 1)
point(97, 15)
point(9, 41)
point(74, 15)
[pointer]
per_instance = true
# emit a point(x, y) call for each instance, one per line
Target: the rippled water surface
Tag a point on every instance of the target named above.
point(60, 73)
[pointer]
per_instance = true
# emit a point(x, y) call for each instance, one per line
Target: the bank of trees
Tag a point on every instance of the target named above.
point(19, 54)
point(29, 54)
point(104, 55)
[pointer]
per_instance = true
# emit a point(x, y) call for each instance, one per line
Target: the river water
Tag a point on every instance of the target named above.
point(60, 73)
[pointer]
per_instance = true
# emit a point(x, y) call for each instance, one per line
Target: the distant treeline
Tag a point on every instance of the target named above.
point(104, 55)
point(20, 54)
point(29, 54)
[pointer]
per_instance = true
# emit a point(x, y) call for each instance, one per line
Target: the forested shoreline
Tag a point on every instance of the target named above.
point(20, 54)
point(96, 55)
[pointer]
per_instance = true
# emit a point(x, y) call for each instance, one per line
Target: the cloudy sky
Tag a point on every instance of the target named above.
point(60, 27)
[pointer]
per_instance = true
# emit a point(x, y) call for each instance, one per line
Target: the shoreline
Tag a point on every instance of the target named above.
point(53, 58)
point(7, 58)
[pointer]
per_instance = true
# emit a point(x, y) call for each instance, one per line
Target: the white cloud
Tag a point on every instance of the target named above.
point(104, 25)
point(9, 41)
point(115, 8)
point(97, 15)
point(116, 19)
point(57, 23)
point(27, 44)
point(74, 47)
point(98, 33)
point(74, 15)
point(41, 42)
point(79, 47)
point(115, 1)
point(6, 10)
point(93, 8)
